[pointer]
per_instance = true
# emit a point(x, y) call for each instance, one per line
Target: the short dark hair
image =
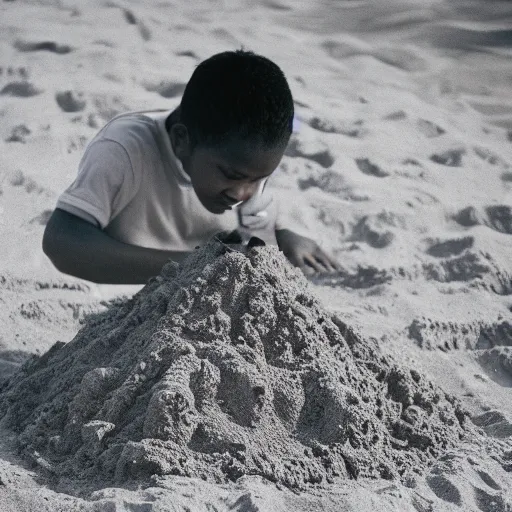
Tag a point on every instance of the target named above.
point(237, 94)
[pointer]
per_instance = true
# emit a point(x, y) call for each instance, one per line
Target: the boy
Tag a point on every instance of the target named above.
point(154, 185)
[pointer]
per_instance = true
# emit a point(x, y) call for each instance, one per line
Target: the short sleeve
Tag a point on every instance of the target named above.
point(105, 183)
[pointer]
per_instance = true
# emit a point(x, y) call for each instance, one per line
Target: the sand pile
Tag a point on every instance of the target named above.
point(222, 367)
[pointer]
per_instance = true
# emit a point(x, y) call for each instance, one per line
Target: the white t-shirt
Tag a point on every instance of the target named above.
point(132, 186)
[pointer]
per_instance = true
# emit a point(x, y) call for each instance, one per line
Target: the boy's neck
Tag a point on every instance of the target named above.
point(172, 119)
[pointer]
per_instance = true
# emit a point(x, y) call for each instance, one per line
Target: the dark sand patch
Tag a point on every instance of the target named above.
point(167, 89)
point(49, 46)
point(497, 362)
point(322, 158)
point(362, 278)
point(497, 217)
point(329, 181)
point(449, 248)
point(187, 53)
point(19, 134)
point(445, 335)
point(349, 129)
point(450, 158)
point(70, 101)
point(20, 90)
point(430, 129)
point(43, 218)
point(366, 230)
point(367, 167)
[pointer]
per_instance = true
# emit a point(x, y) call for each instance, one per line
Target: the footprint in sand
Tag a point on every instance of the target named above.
point(322, 158)
point(20, 90)
point(108, 106)
point(450, 158)
point(368, 230)
point(398, 115)
point(167, 89)
point(467, 217)
point(300, 103)
point(497, 217)
point(492, 158)
point(42, 219)
point(49, 46)
point(500, 218)
point(19, 86)
point(329, 181)
point(450, 247)
point(488, 480)
point(362, 278)
point(444, 489)
point(497, 363)
point(144, 30)
point(70, 101)
point(351, 129)
point(429, 129)
point(276, 6)
point(19, 134)
point(488, 502)
point(466, 267)
point(369, 168)
point(187, 53)
point(221, 34)
point(494, 423)
point(397, 57)
point(20, 180)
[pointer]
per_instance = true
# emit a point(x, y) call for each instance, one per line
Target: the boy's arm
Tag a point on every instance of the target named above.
point(78, 248)
point(299, 249)
point(304, 252)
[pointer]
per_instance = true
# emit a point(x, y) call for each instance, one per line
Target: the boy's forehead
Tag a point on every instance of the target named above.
point(244, 157)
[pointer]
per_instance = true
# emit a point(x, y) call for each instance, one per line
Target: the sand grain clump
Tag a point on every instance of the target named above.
point(223, 367)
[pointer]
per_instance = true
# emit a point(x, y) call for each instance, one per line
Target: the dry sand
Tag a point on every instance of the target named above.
point(402, 158)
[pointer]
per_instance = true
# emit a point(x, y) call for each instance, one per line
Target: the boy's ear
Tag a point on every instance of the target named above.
point(180, 139)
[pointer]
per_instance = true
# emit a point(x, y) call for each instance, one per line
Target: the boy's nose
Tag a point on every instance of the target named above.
point(243, 191)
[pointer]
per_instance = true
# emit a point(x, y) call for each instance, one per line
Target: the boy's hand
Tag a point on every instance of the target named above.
point(229, 237)
point(305, 253)
point(258, 212)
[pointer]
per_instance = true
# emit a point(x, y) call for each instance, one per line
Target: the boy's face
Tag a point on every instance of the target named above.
point(224, 176)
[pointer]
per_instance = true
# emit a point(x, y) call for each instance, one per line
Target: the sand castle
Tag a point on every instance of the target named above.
point(222, 367)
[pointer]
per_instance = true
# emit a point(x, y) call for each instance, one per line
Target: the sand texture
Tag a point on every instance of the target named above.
point(224, 367)
point(385, 386)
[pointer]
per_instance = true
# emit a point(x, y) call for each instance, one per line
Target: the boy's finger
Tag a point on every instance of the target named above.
point(330, 264)
point(312, 262)
point(324, 260)
point(293, 259)
point(328, 261)
point(229, 237)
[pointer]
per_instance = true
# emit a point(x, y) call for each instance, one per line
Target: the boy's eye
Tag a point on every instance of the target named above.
point(235, 177)
point(230, 176)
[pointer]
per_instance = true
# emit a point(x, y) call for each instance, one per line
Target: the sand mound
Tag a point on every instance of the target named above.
point(226, 366)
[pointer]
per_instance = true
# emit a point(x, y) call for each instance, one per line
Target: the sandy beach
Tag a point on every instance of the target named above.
point(384, 386)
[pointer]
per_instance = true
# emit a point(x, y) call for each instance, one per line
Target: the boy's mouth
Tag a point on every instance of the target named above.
point(229, 205)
